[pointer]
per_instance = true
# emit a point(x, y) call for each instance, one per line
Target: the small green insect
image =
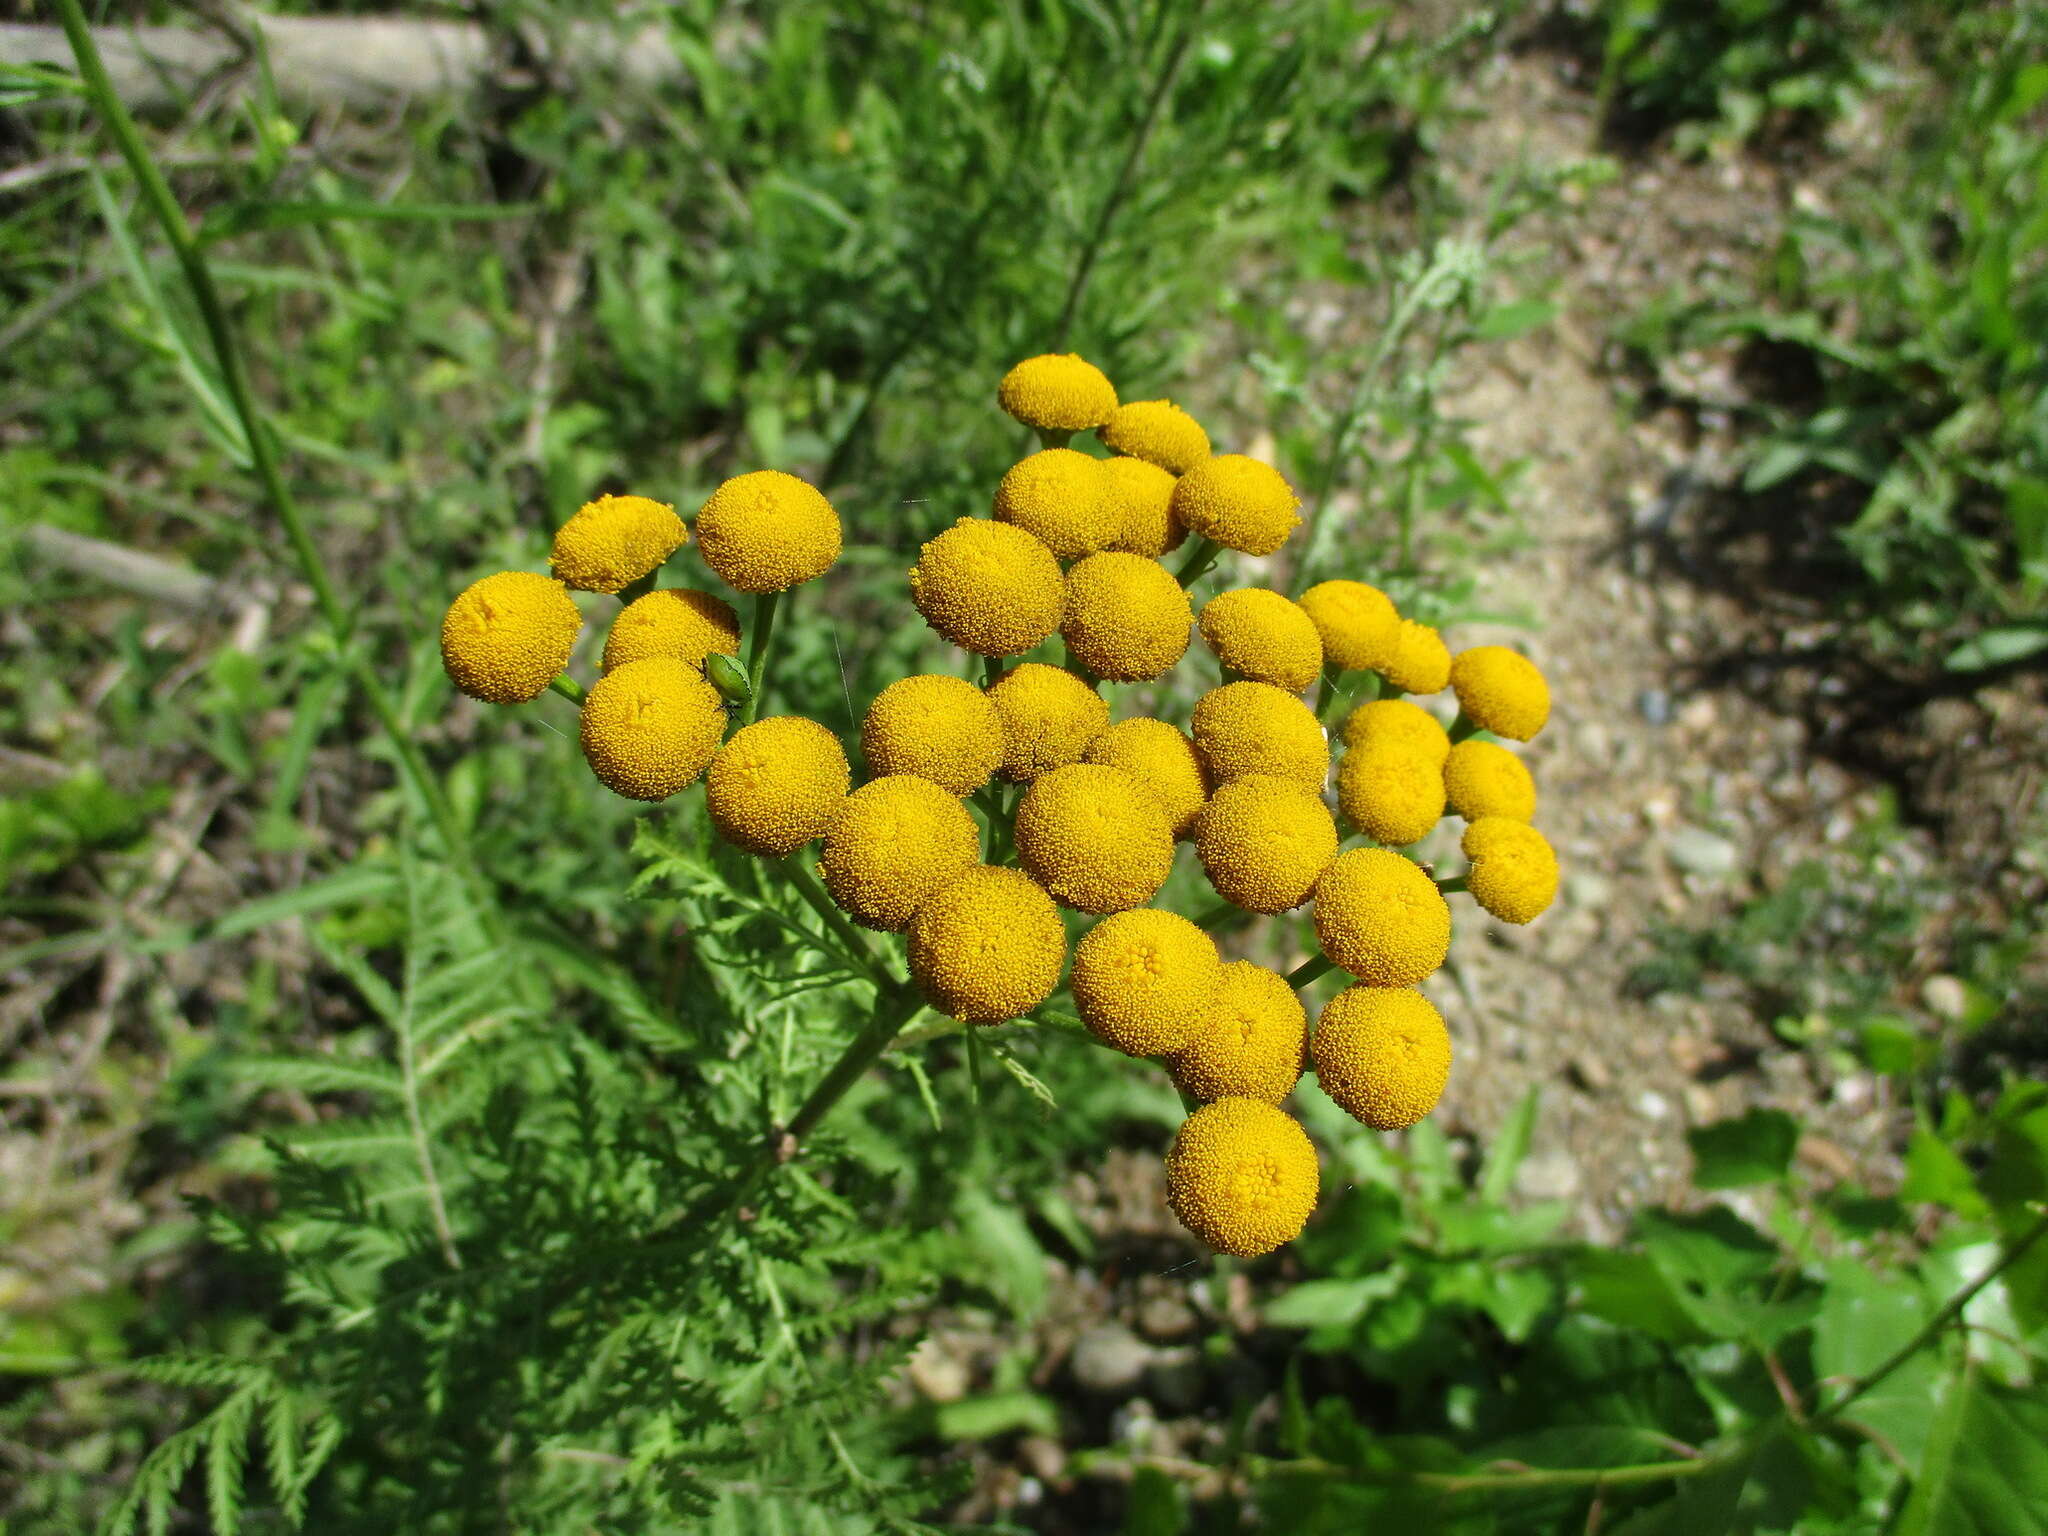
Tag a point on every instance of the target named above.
point(728, 677)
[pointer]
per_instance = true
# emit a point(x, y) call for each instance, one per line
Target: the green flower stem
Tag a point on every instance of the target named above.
point(797, 867)
point(760, 649)
point(1934, 1325)
point(1052, 437)
point(993, 669)
point(1451, 886)
point(1446, 1483)
point(1205, 554)
point(568, 688)
point(1334, 694)
point(340, 622)
point(1463, 728)
point(1222, 912)
point(1310, 970)
point(632, 592)
point(895, 1006)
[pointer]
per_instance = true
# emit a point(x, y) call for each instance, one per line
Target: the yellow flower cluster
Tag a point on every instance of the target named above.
point(1078, 812)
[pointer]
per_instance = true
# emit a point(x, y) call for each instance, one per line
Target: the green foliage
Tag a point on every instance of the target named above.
point(1726, 70)
point(1898, 348)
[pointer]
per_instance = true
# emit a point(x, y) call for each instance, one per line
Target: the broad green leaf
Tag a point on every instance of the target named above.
point(1630, 1291)
point(1998, 647)
point(1330, 1303)
point(1754, 1149)
point(1985, 1469)
point(1510, 1146)
point(1863, 1319)
point(1936, 1175)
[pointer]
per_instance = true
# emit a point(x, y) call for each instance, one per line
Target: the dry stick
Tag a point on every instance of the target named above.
point(1106, 215)
point(170, 217)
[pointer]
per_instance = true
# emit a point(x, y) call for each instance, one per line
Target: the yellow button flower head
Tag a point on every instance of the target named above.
point(1514, 868)
point(1244, 728)
point(1501, 691)
point(939, 728)
point(1159, 432)
point(1094, 838)
point(893, 842)
point(676, 621)
point(1240, 503)
point(1481, 779)
point(1264, 842)
point(987, 946)
point(1161, 758)
point(776, 785)
point(1057, 392)
point(1396, 723)
point(1358, 623)
point(768, 532)
point(1126, 618)
point(1146, 521)
point(650, 727)
point(1381, 918)
point(1061, 498)
point(1259, 634)
point(1251, 1043)
point(1242, 1177)
point(508, 636)
point(1420, 663)
point(1049, 716)
point(615, 540)
point(1393, 794)
point(1383, 1054)
point(987, 587)
point(1143, 981)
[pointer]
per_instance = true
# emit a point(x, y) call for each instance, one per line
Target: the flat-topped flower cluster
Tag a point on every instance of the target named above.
point(1080, 811)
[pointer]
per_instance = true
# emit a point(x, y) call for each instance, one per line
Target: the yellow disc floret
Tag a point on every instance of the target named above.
point(1058, 392)
point(767, 532)
point(1163, 760)
point(1383, 1054)
point(676, 621)
point(1420, 661)
point(1381, 918)
point(987, 587)
point(987, 946)
point(1393, 794)
point(1094, 838)
point(1514, 869)
point(776, 785)
point(1159, 432)
point(1251, 1043)
point(650, 727)
point(1049, 716)
point(1358, 623)
point(1143, 981)
point(1126, 617)
point(1264, 842)
point(508, 636)
point(939, 728)
point(1396, 723)
point(1241, 503)
point(893, 842)
point(1481, 779)
point(1061, 498)
point(1146, 521)
point(1501, 691)
point(615, 540)
point(1242, 1177)
point(1260, 635)
point(1244, 728)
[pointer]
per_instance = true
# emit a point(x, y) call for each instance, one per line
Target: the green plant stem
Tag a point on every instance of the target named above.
point(993, 669)
point(1205, 554)
point(1935, 1324)
point(1105, 216)
point(797, 868)
point(170, 217)
point(1052, 437)
point(760, 650)
point(568, 688)
point(1222, 912)
point(1463, 728)
point(1534, 1477)
point(1451, 886)
point(1310, 970)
